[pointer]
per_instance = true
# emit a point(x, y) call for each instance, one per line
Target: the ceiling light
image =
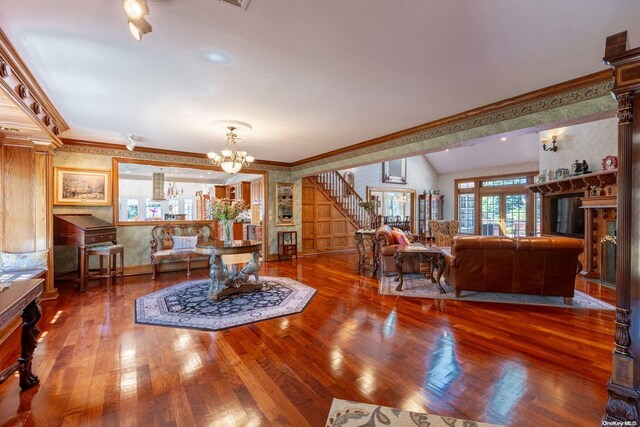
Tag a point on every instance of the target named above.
point(503, 139)
point(139, 28)
point(231, 160)
point(135, 9)
point(131, 142)
point(446, 149)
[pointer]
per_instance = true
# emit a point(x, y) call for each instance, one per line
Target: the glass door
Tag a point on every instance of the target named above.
point(504, 215)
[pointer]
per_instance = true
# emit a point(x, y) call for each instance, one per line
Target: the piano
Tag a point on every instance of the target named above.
point(82, 230)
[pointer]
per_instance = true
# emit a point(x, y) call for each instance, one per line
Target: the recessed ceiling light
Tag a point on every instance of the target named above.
point(209, 173)
point(504, 138)
point(216, 57)
point(446, 149)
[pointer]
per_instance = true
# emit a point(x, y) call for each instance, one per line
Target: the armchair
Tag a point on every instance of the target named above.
point(443, 231)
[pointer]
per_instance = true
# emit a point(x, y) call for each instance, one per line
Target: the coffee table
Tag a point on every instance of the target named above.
point(432, 254)
point(229, 281)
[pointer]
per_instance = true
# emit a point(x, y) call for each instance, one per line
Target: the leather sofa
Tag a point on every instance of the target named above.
point(387, 248)
point(525, 265)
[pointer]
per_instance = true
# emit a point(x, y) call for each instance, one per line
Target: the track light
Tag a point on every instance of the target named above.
point(139, 29)
point(135, 9)
point(131, 142)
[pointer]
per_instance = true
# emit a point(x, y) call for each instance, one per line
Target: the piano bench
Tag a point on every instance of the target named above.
point(112, 270)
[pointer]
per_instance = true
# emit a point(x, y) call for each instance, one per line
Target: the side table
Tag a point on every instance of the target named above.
point(432, 254)
point(367, 247)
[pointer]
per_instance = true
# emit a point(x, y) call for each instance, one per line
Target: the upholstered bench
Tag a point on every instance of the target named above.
point(176, 243)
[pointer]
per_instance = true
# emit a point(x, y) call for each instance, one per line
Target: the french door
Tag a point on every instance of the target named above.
point(503, 214)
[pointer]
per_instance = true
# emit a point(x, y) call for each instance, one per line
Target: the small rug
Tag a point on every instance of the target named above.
point(415, 285)
point(344, 413)
point(185, 305)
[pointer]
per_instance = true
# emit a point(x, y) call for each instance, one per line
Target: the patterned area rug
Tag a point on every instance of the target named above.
point(344, 413)
point(415, 285)
point(185, 305)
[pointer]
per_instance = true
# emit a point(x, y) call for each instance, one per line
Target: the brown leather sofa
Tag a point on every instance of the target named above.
point(526, 265)
point(387, 249)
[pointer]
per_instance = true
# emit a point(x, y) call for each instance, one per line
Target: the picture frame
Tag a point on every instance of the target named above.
point(81, 187)
point(284, 205)
point(394, 171)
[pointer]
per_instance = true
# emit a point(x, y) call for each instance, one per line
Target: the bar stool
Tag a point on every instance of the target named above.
point(109, 251)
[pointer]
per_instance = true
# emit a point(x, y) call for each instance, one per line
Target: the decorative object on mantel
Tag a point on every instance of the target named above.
point(136, 10)
point(82, 187)
point(231, 160)
point(600, 179)
point(610, 162)
point(553, 148)
point(227, 210)
point(580, 168)
point(562, 173)
point(549, 175)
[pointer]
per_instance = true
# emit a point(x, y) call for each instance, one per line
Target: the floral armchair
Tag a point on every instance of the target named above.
point(443, 231)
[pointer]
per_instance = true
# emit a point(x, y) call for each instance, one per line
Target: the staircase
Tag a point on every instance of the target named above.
point(345, 196)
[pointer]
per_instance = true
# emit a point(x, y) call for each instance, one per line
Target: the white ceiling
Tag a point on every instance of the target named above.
point(488, 153)
point(310, 76)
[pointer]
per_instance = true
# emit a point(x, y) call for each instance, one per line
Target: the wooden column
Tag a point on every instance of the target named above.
point(623, 389)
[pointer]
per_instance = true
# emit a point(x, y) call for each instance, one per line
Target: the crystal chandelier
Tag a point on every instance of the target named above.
point(173, 191)
point(231, 160)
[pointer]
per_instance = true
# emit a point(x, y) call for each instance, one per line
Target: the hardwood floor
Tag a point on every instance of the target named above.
point(505, 364)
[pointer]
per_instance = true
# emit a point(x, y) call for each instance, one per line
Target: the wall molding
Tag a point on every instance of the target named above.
point(584, 88)
point(22, 87)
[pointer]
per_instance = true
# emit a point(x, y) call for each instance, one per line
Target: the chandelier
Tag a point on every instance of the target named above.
point(173, 191)
point(231, 160)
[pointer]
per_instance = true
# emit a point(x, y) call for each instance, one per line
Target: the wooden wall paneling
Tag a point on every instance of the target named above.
point(18, 186)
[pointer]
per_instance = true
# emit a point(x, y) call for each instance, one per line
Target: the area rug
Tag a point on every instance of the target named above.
point(185, 305)
point(344, 413)
point(415, 285)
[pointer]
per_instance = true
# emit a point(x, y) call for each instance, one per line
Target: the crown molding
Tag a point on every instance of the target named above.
point(147, 153)
point(565, 93)
point(21, 86)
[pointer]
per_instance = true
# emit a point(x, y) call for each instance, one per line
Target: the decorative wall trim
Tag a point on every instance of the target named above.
point(22, 87)
point(582, 89)
point(145, 153)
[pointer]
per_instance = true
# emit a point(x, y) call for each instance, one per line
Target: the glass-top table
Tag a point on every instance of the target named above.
point(226, 276)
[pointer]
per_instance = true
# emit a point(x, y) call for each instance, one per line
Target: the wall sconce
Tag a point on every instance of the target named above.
point(554, 147)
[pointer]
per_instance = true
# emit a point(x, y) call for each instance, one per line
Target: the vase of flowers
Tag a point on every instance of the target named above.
point(227, 210)
point(370, 207)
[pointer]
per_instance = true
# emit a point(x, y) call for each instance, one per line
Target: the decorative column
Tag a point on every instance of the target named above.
point(623, 389)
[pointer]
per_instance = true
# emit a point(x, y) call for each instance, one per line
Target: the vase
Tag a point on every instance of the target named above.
point(227, 226)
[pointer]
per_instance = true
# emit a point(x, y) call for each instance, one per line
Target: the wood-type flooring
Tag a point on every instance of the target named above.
point(514, 365)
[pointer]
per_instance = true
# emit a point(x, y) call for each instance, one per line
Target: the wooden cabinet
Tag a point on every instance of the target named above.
point(257, 191)
point(221, 192)
point(239, 191)
point(430, 207)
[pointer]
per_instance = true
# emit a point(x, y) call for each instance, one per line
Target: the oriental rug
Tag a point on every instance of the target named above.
point(415, 285)
point(344, 413)
point(185, 305)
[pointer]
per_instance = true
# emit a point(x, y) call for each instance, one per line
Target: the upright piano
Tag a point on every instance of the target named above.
point(82, 230)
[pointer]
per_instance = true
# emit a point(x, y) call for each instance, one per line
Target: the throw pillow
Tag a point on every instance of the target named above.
point(398, 237)
point(23, 261)
point(184, 242)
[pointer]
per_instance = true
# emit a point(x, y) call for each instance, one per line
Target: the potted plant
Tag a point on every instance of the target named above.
point(370, 207)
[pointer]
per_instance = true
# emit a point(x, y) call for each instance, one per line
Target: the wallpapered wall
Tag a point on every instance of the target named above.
point(588, 141)
point(446, 180)
point(136, 238)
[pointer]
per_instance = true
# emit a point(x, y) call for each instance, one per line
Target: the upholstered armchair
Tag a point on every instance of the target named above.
point(443, 231)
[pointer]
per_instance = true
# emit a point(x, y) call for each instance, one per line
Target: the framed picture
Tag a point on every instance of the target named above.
point(82, 187)
point(395, 171)
point(284, 204)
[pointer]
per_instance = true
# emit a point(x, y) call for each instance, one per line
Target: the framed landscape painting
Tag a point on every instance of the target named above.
point(82, 187)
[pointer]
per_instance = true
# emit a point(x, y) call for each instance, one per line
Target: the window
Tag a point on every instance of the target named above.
point(466, 213)
point(538, 216)
point(188, 209)
point(133, 209)
point(490, 215)
point(516, 215)
point(469, 184)
point(509, 181)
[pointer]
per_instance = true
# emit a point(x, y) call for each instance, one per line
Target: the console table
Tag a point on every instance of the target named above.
point(21, 297)
point(229, 281)
point(366, 238)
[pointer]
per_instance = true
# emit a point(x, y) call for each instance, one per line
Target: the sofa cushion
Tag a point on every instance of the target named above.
point(177, 253)
point(23, 261)
point(184, 242)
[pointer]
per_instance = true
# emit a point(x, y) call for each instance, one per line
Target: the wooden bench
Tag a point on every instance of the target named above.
point(162, 244)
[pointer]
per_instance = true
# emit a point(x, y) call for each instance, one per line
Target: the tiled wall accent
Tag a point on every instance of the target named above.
point(588, 141)
point(446, 180)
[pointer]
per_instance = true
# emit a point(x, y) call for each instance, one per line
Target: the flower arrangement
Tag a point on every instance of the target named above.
point(367, 205)
point(226, 209)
